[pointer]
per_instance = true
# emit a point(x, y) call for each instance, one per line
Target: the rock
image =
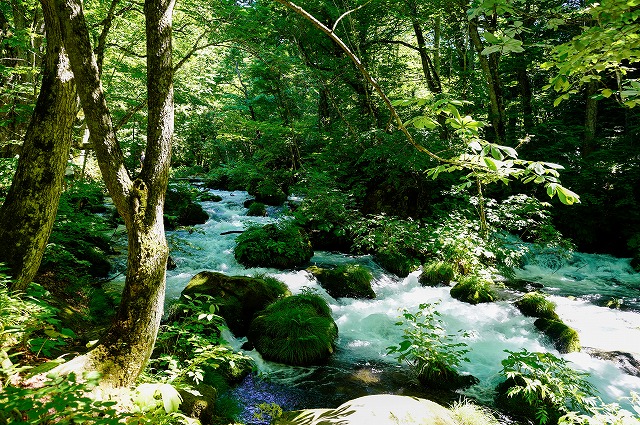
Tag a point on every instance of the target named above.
point(239, 297)
point(267, 192)
point(209, 197)
point(564, 338)
point(346, 281)
point(473, 290)
point(296, 330)
point(181, 210)
point(199, 403)
point(381, 409)
point(282, 246)
point(257, 209)
point(626, 362)
point(436, 273)
point(536, 304)
point(396, 262)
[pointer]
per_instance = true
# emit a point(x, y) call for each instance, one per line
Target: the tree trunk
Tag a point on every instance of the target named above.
point(489, 64)
point(123, 351)
point(29, 211)
point(590, 121)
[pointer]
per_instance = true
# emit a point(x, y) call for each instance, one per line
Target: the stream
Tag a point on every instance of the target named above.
point(360, 365)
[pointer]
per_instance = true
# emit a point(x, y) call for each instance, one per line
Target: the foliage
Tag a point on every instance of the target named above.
point(190, 349)
point(295, 330)
point(80, 240)
point(536, 304)
point(282, 245)
point(546, 384)
point(436, 273)
point(605, 414)
point(473, 290)
point(181, 208)
point(29, 323)
point(432, 353)
point(468, 413)
point(8, 168)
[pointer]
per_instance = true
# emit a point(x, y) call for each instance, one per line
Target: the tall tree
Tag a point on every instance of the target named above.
point(28, 213)
point(124, 349)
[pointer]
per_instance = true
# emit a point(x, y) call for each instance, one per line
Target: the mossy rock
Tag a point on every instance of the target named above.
point(267, 192)
point(239, 298)
point(442, 376)
point(473, 290)
point(208, 197)
point(398, 263)
point(437, 273)
point(200, 406)
point(564, 338)
point(282, 246)
point(181, 210)
point(296, 330)
point(536, 304)
point(346, 281)
point(257, 209)
point(635, 262)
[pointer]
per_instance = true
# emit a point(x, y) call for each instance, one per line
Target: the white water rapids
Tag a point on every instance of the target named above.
point(366, 327)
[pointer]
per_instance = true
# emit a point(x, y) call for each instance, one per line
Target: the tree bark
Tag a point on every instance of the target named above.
point(489, 64)
point(29, 211)
point(590, 120)
point(123, 351)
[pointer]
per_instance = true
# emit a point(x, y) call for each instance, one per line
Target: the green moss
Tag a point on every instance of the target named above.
point(396, 262)
point(257, 209)
point(536, 304)
point(296, 330)
point(281, 246)
point(267, 192)
point(436, 273)
point(349, 280)
point(473, 290)
point(564, 338)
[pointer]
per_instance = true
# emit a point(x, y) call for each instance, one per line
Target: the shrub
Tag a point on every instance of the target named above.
point(430, 351)
point(349, 280)
point(436, 273)
point(181, 209)
point(536, 304)
point(564, 338)
point(282, 245)
point(268, 192)
point(296, 330)
point(543, 387)
point(473, 290)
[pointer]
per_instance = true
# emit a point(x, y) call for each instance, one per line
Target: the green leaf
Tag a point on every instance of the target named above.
point(491, 163)
point(171, 398)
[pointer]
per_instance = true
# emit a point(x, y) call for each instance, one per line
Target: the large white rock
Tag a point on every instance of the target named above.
point(382, 409)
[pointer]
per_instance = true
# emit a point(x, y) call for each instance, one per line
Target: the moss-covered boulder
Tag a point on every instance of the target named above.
point(208, 197)
point(396, 262)
point(199, 402)
point(257, 209)
point(536, 304)
point(282, 246)
point(267, 192)
point(473, 290)
point(181, 209)
point(379, 409)
point(437, 273)
point(564, 338)
point(239, 298)
point(346, 281)
point(296, 330)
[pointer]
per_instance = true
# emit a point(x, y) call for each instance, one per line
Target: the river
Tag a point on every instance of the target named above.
point(366, 327)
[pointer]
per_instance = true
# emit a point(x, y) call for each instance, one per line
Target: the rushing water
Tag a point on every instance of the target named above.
point(366, 327)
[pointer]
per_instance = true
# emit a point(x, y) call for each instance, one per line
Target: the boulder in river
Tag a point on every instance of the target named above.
point(380, 409)
point(279, 245)
point(473, 290)
point(239, 297)
point(536, 304)
point(345, 281)
point(296, 330)
point(564, 338)
point(437, 273)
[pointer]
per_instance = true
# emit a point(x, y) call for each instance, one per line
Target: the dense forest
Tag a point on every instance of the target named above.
point(442, 143)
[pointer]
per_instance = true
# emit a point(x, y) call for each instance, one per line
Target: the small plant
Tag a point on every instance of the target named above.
point(467, 413)
point(606, 414)
point(434, 354)
point(543, 386)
